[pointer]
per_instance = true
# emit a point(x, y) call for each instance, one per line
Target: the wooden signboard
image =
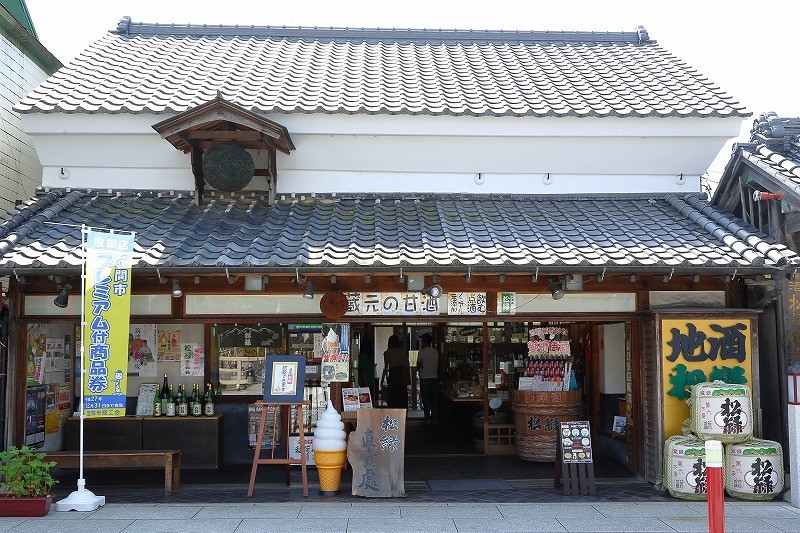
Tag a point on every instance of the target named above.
point(376, 451)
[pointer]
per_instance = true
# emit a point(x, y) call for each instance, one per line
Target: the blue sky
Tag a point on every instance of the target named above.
point(741, 46)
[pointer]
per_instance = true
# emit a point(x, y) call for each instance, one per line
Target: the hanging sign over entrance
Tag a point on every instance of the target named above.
point(466, 303)
point(391, 304)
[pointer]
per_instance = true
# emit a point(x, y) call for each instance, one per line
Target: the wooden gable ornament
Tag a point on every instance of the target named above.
point(218, 134)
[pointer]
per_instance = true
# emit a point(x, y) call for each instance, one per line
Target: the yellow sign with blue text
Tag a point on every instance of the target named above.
point(698, 351)
point(107, 309)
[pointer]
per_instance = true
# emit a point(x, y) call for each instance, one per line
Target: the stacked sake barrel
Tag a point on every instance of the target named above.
point(723, 411)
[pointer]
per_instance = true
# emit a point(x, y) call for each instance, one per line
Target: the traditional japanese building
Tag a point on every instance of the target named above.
point(280, 179)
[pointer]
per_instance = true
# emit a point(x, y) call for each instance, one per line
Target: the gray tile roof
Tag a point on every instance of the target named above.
point(624, 233)
point(147, 68)
point(774, 152)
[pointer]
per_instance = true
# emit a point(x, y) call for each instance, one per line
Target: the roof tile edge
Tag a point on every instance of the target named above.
point(127, 27)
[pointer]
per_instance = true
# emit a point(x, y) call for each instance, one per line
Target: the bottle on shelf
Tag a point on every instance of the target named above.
point(208, 407)
point(183, 404)
point(156, 405)
point(197, 401)
point(170, 402)
point(164, 395)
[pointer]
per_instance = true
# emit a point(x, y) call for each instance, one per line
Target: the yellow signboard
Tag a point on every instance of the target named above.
point(698, 351)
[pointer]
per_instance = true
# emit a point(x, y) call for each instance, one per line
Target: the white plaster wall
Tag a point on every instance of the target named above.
point(20, 171)
point(612, 359)
point(404, 153)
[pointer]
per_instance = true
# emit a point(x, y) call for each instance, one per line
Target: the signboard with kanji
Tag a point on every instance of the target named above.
point(698, 351)
point(376, 451)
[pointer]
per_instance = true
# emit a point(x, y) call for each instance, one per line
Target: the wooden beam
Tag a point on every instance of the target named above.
point(254, 145)
point(216, 134)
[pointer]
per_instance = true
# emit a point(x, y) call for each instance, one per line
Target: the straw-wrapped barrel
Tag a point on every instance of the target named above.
point(537, 415)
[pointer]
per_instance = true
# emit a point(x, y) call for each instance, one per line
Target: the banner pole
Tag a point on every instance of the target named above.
point(81, 499)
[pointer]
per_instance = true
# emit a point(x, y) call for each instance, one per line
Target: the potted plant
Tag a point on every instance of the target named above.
point(26, 484)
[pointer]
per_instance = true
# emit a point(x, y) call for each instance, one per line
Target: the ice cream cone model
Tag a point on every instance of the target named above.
point(330, 449)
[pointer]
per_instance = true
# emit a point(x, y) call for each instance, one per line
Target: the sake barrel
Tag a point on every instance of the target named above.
point(537, 419)
point(684, 474)
point(754, 469)
point(721, 411)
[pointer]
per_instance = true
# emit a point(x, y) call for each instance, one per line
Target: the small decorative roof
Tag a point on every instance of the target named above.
point(627, 233)
point(151, 68)
point(220, 121)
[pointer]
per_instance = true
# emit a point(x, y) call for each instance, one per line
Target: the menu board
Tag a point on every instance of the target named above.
point(576, 442)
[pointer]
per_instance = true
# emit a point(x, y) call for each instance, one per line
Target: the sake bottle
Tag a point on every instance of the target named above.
point(197, 404)
point(170, 402)
point(208, 408)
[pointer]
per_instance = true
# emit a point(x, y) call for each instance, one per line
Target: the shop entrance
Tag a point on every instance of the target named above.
point(483, 365)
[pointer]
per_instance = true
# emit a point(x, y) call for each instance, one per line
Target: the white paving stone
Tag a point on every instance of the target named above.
point(546, 510)
point(258, 511)
point(282, 525)
point(228, 525)
point(161, 512)
point(349, 511)
point(616, 525)
point(450, 511)
point(643, 510)
point(393, 525)
point(509, 525)
point(70, 526)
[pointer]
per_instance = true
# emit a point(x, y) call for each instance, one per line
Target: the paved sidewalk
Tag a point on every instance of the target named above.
point(399, 516)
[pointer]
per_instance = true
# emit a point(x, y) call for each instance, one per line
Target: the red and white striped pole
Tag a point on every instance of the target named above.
point(716, 491)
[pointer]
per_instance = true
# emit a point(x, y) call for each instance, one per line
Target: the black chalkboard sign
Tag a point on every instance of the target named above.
point(575, 466)
point(270, 335)
point(576, 442)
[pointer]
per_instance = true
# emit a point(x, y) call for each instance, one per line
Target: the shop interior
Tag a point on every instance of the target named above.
point(481, 368)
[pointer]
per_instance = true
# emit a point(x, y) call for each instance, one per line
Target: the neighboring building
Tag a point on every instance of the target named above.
point(24, 63)
point(761, 184)
point(502, 166)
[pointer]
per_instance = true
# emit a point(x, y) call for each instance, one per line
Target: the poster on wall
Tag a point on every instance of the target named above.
point(67, 368)
point(35, 353)
point(64, 397)
point(169, 345)
point(271, 435)
point(54, 354)
point(336, 352)
point(141, 359)
point(51, 417)
point(192, 359)
point(34, 415)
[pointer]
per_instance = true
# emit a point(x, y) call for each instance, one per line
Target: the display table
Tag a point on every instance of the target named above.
point(199, 439)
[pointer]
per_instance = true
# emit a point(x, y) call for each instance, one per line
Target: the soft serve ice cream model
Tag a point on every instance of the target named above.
point(330, 449)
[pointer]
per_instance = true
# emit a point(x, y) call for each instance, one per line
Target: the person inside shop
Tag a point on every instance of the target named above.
point(428, 366)
point(366, 366)
point(396, 373)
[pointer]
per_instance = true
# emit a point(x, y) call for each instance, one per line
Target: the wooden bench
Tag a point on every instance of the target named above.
point(169, 460)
